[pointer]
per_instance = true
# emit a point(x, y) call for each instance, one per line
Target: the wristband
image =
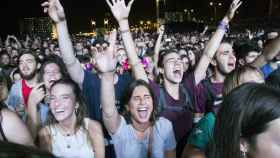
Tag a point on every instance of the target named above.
point(223, 26)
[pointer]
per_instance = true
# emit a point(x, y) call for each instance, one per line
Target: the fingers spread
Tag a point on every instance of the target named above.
point(130, 3)
point(109, 3)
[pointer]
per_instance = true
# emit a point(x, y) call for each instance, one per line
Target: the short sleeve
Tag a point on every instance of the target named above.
point(169, 141)
point(121, 130)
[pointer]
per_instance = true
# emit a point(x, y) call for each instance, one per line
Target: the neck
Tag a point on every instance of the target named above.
point(32, 82)
point(140, 127)
point(218, 77)
point(172, 89)
point(68, 126)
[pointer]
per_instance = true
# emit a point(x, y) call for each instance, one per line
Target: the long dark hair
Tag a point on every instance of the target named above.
point(128, 95)
point(245, 113)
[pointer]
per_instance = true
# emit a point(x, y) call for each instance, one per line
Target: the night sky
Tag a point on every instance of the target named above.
point(79, 12)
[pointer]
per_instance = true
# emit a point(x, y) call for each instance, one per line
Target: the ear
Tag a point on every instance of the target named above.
point(160, 70)
point(77, 106)
point(127, 107)
point(244, 146)
point(241, 61)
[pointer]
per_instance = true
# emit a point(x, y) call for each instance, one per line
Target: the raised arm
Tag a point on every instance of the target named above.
point(270, 51)
point(121, 11)
point(213, 44)
point(56, 12)
point(158, 45)
point(17, 41)
point(33, 115)
point(106, 63)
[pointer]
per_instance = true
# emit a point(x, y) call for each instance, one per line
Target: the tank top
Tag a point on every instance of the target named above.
point(74, 146)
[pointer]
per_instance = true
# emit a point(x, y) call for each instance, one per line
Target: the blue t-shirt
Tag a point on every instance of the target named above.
point(92, 89)
point(267, 70)
point(128, 145)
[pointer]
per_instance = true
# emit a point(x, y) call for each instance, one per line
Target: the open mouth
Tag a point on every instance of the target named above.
point(231, 64)
point(59, 111)
point(177, 73)
point(143, 112)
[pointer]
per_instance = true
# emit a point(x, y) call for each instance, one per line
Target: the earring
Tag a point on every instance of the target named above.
point(76, 111)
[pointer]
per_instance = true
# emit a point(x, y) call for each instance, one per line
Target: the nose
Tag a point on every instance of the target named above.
point(142, 101)
point(232, 57)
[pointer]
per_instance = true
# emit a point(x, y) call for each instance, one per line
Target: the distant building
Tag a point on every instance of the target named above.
point(39, 26)
point(174, 17)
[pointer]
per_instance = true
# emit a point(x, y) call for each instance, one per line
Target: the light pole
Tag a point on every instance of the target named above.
point(215, 5)
point(157, 8)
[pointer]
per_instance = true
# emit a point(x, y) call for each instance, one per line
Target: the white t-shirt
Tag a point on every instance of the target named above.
point(127, 145)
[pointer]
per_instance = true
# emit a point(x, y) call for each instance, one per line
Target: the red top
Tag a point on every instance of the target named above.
point(25, 91)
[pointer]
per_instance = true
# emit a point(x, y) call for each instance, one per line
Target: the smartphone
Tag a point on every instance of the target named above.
point(43, 87)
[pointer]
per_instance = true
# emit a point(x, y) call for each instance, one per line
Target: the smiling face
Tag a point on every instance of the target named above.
point(173, 68)
point(140, 105)
point(51, 74)
point(225, 59)
point(27, 66)
point(63, 102)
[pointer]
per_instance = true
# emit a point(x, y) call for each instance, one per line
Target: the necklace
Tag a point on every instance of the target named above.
point(67, 133)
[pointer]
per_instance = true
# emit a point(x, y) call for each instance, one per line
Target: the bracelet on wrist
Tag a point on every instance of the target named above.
point(223, 26)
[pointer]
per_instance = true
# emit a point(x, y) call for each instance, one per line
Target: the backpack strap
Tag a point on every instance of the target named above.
point(188, 97)
point(161, 101)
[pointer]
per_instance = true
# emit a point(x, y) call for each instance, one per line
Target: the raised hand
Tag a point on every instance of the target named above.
point(233, 7)
point(105, 59)
point(55, 10)
point(119, 9)
point(37, 94)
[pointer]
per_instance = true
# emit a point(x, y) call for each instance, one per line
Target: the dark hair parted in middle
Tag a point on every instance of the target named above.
point(128, 96)
point(245, 113)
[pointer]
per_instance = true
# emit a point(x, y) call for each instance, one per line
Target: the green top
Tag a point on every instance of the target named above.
point(203, 132)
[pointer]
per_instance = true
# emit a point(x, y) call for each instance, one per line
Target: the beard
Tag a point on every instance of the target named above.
point(29, 76)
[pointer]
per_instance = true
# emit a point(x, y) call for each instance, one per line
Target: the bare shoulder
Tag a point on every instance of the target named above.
point(9, 116)
point(94, 127)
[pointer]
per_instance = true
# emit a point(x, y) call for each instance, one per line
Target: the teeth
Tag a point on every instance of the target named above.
point(142, 109)
point(59, 111)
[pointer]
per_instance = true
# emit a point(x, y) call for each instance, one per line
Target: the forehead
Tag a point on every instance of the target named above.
point(27, 57)
point(51, 66)
point(140, 90)
point(60, 89)
point(171, 55)
point(225, 47)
